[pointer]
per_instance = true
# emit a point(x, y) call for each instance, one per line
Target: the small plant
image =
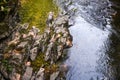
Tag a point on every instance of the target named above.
point(7, 65)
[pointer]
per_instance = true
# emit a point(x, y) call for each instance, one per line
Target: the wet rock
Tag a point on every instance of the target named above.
point(54, 75)
point(40, 74)
point(28, 73)
point(33, 52)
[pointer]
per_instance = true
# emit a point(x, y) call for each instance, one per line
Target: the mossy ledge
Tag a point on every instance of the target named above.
point(35, 12)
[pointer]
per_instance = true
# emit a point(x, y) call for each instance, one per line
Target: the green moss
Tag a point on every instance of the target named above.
point(35, 12)
point(7, 65)
point(51, 68)
point(39, 61)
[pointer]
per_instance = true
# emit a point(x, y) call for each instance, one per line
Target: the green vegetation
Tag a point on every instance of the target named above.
point(35, 12)
point(7, 65)
point(39, 61)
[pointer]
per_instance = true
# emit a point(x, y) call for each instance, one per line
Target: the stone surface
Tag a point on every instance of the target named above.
point(22, 44)
point(28, 73)
point(33, 53)
point(40, 74)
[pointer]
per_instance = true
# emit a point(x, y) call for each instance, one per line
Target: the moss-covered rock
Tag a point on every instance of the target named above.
point(35, 12)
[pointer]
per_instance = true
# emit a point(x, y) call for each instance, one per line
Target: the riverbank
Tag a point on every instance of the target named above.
point(29, 55)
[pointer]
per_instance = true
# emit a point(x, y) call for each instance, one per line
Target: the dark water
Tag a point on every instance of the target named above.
point(95, 54)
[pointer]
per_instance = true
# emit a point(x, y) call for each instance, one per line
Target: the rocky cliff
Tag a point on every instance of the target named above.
point(31, 56)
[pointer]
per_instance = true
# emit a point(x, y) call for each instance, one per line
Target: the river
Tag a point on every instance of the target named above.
point(95, 54)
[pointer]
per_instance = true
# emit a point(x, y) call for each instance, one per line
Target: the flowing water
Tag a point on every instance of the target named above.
point(95, 54)
point(89, 47)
